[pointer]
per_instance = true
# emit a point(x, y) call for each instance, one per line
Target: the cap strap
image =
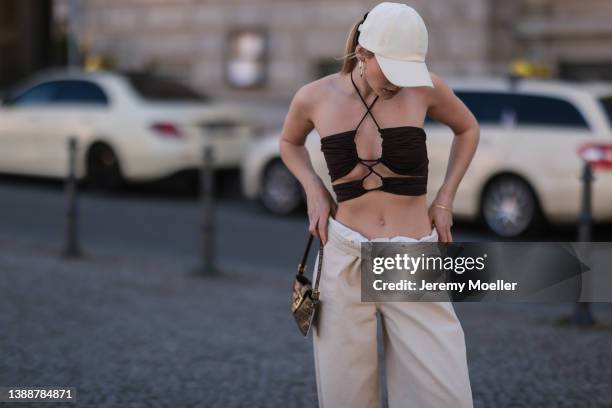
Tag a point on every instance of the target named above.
point(359, 26)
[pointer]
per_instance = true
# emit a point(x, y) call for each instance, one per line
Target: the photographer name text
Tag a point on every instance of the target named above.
point(500, 284)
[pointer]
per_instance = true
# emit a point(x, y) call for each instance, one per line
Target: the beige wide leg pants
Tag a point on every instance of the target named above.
point(424, 345)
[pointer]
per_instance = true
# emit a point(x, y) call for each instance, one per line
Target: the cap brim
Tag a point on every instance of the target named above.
point(405, 73)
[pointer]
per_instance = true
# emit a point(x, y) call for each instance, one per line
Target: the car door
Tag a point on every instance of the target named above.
point(75, 112)
point(21, 121)
point(494, 120)
point(549, 131)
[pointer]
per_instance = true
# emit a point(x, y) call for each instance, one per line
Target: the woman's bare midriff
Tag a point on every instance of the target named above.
point(379, 214)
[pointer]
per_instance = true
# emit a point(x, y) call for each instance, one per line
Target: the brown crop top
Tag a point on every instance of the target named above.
point(403, 151)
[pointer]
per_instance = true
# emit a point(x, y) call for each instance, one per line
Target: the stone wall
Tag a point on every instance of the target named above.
point(186, 38)
point(573, 35)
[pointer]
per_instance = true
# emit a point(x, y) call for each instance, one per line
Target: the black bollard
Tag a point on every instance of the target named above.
point(207, 191)
point(71, 249)
point(582, 310)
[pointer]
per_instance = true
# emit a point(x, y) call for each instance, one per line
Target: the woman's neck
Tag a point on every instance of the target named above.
point(364, 88)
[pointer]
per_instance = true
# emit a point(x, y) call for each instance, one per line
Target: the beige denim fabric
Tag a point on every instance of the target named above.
point(425, 353)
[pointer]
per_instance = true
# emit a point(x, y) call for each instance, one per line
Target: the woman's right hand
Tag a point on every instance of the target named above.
point(320, 205)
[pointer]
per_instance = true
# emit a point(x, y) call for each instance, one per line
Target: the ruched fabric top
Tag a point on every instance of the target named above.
point(403, 151)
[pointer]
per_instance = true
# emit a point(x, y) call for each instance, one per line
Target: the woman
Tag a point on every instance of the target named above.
point(378, 169)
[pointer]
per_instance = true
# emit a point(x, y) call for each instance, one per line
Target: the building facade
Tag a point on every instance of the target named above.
point(266, 49)
point(25, 44)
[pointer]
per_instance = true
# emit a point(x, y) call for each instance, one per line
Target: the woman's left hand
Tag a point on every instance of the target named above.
point(442, 219)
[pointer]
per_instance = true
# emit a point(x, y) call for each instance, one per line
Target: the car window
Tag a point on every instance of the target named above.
point(79, 91)
point(546, 111)
point(521, 109)
point(487, 107)
point(64, 91)
point(159, 88)
point(606, 102)
point(41, 94)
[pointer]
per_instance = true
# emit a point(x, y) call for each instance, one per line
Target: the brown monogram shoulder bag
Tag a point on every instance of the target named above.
point(305, 298)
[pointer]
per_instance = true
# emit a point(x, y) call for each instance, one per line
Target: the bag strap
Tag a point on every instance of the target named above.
point(315, 291)
point(302, 265)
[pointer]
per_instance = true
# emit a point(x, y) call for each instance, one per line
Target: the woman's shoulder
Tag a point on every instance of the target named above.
point(308, 97)
point(311, 95)
point(440, 89)
point(317, 89)
point(438, 81)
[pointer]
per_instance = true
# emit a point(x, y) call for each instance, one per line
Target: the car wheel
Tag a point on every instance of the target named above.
point(103, 169)
point(281, 191)
point(509, 207)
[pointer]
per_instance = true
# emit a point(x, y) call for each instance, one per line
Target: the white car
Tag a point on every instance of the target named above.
point(129, 127)
point(526, 169)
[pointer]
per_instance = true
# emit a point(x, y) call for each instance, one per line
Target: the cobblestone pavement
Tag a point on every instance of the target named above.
point(133, 332)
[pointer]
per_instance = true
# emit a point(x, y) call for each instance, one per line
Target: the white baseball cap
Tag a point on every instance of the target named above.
point(396, 34)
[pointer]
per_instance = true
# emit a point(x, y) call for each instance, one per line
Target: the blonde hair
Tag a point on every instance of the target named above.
point(349, 50)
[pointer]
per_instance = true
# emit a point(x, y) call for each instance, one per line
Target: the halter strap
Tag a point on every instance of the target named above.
point(366, 105)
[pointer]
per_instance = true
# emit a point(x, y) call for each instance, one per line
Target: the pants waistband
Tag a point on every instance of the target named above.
point(350, 240)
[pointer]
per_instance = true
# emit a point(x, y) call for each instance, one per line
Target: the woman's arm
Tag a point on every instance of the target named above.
point(297, 126)
point(447, 108)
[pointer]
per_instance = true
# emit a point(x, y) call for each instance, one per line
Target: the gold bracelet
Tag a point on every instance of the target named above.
point(441, 206)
